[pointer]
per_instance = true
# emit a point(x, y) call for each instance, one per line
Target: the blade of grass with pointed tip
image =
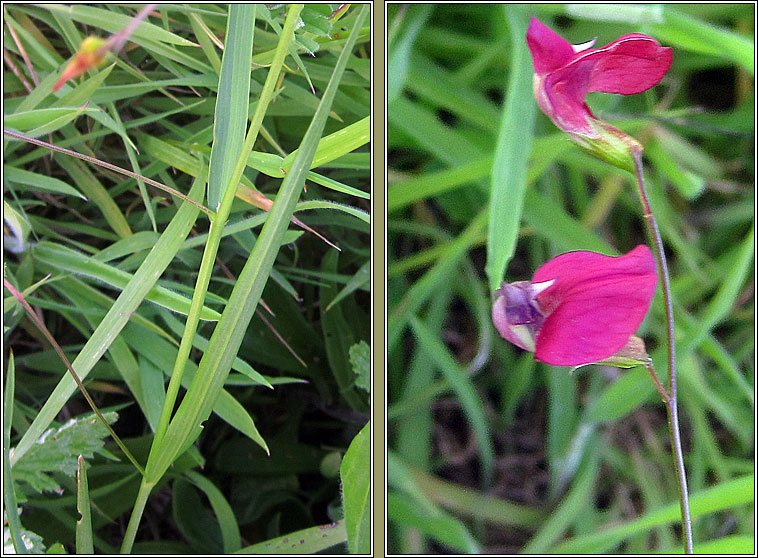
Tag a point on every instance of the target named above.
point(511, 154)
point(60, 257)
point(292, 50)
point(337, 186)
point(337, 144)
point(84, 523)
point(338, 337)
point(360, 279)
point(37, 181)
point(323, 204)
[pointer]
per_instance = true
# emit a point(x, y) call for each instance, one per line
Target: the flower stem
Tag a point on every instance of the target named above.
point(670, 397)
point(657, 382)
point(681, 475)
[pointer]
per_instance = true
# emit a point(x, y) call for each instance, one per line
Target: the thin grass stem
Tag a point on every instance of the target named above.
point(670, 396)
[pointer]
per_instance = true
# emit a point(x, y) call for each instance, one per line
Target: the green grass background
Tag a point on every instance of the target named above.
point(272, 372)
point(488, 450)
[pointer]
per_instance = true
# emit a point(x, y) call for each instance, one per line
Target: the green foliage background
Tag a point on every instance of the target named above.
point(292, 390)
point(490, 451)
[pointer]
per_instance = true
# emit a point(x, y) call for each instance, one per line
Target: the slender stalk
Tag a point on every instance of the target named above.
point(670, 396)
point(218, 220)
point(111, 167)
point(657, 382)
point(46, 332)
point(681, 475)
point(139, 507)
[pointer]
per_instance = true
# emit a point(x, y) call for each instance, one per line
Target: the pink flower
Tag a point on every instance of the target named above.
point(579, 308)
point(565, 73)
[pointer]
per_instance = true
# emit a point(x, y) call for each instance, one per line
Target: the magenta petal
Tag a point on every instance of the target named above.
point(629, 65)
point(549, 50)
point(564, 93)
point(596, 303)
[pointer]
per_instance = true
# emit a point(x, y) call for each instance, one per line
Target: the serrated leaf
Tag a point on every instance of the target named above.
point(315, 23)
point(32, 541)
point(360, 359)
point(309, 45)
point(58, 449)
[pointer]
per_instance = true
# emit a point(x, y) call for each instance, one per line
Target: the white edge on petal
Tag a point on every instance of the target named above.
point(537, 288)
point(584, 46)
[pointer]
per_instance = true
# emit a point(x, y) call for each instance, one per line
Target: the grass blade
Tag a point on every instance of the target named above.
point(511, 154)
point(231, 103)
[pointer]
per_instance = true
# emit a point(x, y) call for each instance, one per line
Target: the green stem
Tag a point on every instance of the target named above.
point(218, 220)
point(139, 507)
point(670, 397)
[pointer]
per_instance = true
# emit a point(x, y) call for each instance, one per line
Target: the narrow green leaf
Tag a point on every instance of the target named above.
point(306, 541)
point(337, 144)
point(722, 303)
point(38, 122)
point(476, 504)
point(729, 545)
point(361, 278)
point(511, 153)
point(112, 22)
point(401, 38)
point(402, 509)
point(464, 389)
point(569, 510)
point(227, 521)
point(355, 473)
point(323, 204)
point(227, 336)
point(84, 544)
point(231, 104)
point(423, 288)
point(88, 183)
point(723, 496)
point(338, 337)
point(67, 259)
point(9, 492)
